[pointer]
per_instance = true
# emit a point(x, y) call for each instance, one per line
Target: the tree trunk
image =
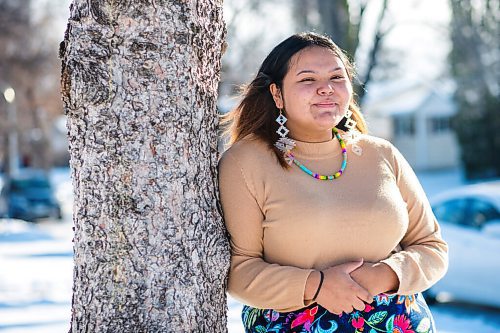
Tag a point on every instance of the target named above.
point(373, 55)
point(139, 86)
point(475, 66)
point(335, 20)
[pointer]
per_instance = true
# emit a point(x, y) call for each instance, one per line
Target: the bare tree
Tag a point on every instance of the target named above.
point(475, 64)
point(28, 63)
point(250, 38)
point(343, 21)
point(139, 85)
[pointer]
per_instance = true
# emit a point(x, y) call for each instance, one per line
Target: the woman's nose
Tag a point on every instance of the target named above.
point(325, 89)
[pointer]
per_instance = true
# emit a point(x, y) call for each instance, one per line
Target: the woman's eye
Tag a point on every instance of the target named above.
point(307, 79)
point(337, 77)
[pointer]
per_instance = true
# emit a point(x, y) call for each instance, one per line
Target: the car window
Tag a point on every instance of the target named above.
point(20, 185)
point(452, 211)
point(482, 211)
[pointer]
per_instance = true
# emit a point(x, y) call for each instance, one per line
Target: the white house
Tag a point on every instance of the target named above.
point(416, 118)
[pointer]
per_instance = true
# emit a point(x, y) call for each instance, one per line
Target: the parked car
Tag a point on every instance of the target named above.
point(29, 196)
point(470, 220)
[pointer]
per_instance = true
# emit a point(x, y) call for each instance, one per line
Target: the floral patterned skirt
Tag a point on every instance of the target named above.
point(387, 313)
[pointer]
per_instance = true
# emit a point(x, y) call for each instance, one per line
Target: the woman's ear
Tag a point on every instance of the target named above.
point(276, 93)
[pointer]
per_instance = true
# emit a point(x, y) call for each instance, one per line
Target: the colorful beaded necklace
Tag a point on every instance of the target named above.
point(316, 175)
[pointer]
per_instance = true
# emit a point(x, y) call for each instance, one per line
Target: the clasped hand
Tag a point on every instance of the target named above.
point(351, 285)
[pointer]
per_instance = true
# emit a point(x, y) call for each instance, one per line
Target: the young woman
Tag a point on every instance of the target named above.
point(330, 229)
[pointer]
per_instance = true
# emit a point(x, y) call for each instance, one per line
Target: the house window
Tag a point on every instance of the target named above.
point(440, 124)
point(404, 125)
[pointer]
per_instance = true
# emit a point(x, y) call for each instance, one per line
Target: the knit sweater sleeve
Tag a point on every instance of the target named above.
point(423, 259)
point(252, 280)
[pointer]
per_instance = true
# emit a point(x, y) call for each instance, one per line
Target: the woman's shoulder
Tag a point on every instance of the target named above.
point(380, 149)
point(373, 147)
point(248, 144)
point(371, 141)
point(248, 151)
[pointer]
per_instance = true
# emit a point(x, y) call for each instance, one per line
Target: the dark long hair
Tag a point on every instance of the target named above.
point(256, 112)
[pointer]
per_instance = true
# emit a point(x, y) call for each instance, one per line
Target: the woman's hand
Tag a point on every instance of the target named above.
point(340, 293)
point(376, 278)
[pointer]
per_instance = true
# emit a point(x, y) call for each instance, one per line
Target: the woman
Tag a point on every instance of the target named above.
point(322, 243)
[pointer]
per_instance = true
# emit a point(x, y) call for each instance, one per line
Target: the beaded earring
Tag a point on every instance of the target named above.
point(284, 143)
point(350, 123)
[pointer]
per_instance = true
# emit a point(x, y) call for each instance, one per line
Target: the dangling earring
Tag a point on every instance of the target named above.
point(284, 143)
point(350, 123)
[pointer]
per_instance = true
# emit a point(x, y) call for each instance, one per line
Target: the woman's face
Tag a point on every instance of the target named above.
point(316, 94)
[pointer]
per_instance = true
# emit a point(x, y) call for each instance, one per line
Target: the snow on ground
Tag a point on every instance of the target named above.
point(36, 274)
point(35, 277)
point(435, 182)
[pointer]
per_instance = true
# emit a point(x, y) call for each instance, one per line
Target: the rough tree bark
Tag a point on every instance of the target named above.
point(139, 85)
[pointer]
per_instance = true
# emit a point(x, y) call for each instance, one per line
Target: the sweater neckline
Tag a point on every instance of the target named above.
point(317, 150)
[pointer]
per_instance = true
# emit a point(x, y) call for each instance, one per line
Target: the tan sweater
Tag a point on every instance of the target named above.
point(284, 223)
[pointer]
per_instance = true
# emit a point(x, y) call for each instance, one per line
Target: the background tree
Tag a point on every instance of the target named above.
point(139, 86)
point(343, 21)
point(475, 64)
point(28, 63)
point(252, 31)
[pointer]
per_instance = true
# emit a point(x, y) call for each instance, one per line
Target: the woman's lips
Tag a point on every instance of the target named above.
point(325, 105)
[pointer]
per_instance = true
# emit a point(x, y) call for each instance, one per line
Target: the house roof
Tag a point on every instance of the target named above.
point(393, 98)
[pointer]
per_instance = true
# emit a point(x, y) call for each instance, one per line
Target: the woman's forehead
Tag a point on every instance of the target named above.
point(314, 59)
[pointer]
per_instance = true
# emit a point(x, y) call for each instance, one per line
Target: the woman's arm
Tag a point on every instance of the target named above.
point(312, 285)
point(423, 259)
point(376, 278)
point(252, 280)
